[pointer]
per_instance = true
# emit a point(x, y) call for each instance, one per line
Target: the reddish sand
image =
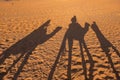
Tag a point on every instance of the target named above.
point(28, 53)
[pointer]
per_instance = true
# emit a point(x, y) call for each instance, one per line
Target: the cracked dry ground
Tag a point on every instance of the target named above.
point(28, 52)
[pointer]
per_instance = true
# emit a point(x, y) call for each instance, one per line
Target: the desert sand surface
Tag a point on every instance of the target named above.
point(34, 44)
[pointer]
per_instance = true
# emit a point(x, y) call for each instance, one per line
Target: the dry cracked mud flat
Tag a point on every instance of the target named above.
point(36, 39)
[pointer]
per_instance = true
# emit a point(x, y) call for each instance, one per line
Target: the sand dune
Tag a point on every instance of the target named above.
point(34, 40)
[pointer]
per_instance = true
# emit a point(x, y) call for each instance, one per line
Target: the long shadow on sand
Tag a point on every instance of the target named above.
point(75, 32)
point(106, 45)
point(25, 47)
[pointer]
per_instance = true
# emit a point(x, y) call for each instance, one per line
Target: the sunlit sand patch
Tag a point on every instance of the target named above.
point(119, 14)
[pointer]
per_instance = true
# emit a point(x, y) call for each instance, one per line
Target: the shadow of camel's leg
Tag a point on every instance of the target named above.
point(117, 52)
point(3, 74)
point(22, 65)
point(11, 66)
point(70, 43)
point(61, 51)
point(83, 61)
point(91, 61)
point(15, 62)
point(27, 54)
point(111, 62)
point(3, 57)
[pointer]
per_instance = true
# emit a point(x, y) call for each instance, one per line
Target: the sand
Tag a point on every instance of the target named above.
point(29, 51)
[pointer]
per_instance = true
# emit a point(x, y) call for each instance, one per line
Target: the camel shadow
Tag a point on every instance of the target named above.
point(25, 46)
point(106, 45)
point(74, 32)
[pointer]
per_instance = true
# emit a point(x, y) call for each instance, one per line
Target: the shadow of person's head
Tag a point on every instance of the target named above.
point(74, 19)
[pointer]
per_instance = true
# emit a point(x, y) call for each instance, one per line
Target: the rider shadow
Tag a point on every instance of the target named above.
point(75, 32)
point(25, 46)
point(106, 45)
